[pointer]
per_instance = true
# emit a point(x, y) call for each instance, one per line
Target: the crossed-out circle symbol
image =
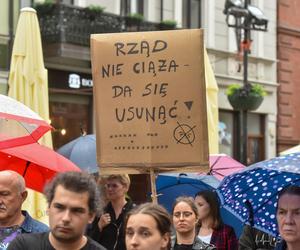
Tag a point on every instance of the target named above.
point(184, 134)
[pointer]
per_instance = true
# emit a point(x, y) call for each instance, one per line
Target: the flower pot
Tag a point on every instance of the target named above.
point(245, 102)
point(165, 26)
point(131, 21)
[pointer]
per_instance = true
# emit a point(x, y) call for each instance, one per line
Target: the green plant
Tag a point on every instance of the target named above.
point(232, 88)
point(45, 3)
point(245, 97)
point(167, 25)
point(95, 8)
point(249, 89)
point(135, 16)
point(169, 22)
point(45, 7)
point(258, 89)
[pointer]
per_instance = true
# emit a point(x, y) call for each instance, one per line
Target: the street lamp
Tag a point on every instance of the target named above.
point(244, 17)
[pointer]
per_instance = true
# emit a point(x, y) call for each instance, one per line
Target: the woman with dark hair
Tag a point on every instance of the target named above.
point(148, 227)
point(288, 218)
point(212, 230)
point(185, 219)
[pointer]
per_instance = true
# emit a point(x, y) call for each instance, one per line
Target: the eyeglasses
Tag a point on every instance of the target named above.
point(184, 214)
point(111, 185)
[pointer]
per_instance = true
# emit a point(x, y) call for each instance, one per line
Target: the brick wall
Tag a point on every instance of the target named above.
point(288, 75)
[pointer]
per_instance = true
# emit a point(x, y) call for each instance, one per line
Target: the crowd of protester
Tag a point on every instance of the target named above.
point(81, 218)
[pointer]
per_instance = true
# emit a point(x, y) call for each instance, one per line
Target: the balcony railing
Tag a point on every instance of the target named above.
point(61, 23)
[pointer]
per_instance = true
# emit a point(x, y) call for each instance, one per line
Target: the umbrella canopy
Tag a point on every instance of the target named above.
point(222, 165)
point(294, 149)
point(36, 163)
point(28, 78)
point(171, 186)
point(82, 152)
point(254, 190)
point(19, 125)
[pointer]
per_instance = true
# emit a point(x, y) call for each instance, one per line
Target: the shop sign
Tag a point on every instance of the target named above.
point(75, 81)
point(61, 79)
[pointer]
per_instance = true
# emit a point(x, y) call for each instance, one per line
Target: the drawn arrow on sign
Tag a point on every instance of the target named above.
point(189, 104)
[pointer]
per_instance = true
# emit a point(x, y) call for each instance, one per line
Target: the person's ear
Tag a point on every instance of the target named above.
point(24, 195)
point(165, 240)
point(197, 220)
point(126, 187)
point(91, 217)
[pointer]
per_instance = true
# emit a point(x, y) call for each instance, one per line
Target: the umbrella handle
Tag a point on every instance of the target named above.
point(251, 213)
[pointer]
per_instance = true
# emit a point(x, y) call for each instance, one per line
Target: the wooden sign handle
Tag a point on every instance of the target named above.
point(153, 186)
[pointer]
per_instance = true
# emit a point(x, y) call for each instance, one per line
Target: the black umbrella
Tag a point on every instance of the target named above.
point(82, 152)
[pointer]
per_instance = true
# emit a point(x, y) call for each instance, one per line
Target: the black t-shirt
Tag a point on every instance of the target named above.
point(40, 241)
point(112, 236)
point(183, 246)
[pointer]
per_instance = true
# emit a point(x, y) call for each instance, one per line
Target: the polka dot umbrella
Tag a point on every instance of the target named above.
point(254, 190)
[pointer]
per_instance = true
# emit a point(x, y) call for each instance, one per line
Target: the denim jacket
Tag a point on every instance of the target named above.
point(31, 225)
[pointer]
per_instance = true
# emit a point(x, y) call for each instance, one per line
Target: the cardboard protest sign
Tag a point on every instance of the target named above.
point(149, 97)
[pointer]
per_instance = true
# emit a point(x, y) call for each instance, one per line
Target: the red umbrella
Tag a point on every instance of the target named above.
point(19, 125)
point(38, 164)
point(222, 165)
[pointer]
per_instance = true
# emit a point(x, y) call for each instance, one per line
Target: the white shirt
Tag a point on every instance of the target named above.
point(205, 238)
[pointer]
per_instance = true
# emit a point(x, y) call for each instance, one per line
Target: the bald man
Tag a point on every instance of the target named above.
point(13, 220)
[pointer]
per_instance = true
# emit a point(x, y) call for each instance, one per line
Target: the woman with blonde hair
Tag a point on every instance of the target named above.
point(108, 229)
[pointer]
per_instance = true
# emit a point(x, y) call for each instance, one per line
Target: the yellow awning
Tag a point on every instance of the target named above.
point(28, 83)
point(212, 106)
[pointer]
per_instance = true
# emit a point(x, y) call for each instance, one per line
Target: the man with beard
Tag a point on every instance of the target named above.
point(13, 220)
point(73, 200)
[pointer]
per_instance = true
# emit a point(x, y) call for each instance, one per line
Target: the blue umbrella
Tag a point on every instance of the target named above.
point(254, 191)
point(82, 152)
point(171, 186)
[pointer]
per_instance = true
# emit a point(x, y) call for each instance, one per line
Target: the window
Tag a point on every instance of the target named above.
point(229, 139)
point(128, 6)
point(226, 133)
point(4, 53)
point(191, 14)
point(69, 117)
point(256, 143)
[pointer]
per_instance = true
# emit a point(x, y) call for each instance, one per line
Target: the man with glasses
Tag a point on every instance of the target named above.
point(108, 229)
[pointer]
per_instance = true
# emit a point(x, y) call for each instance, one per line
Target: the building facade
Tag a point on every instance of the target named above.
point(66, 26)
point(261, 69)
point(288, 74)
